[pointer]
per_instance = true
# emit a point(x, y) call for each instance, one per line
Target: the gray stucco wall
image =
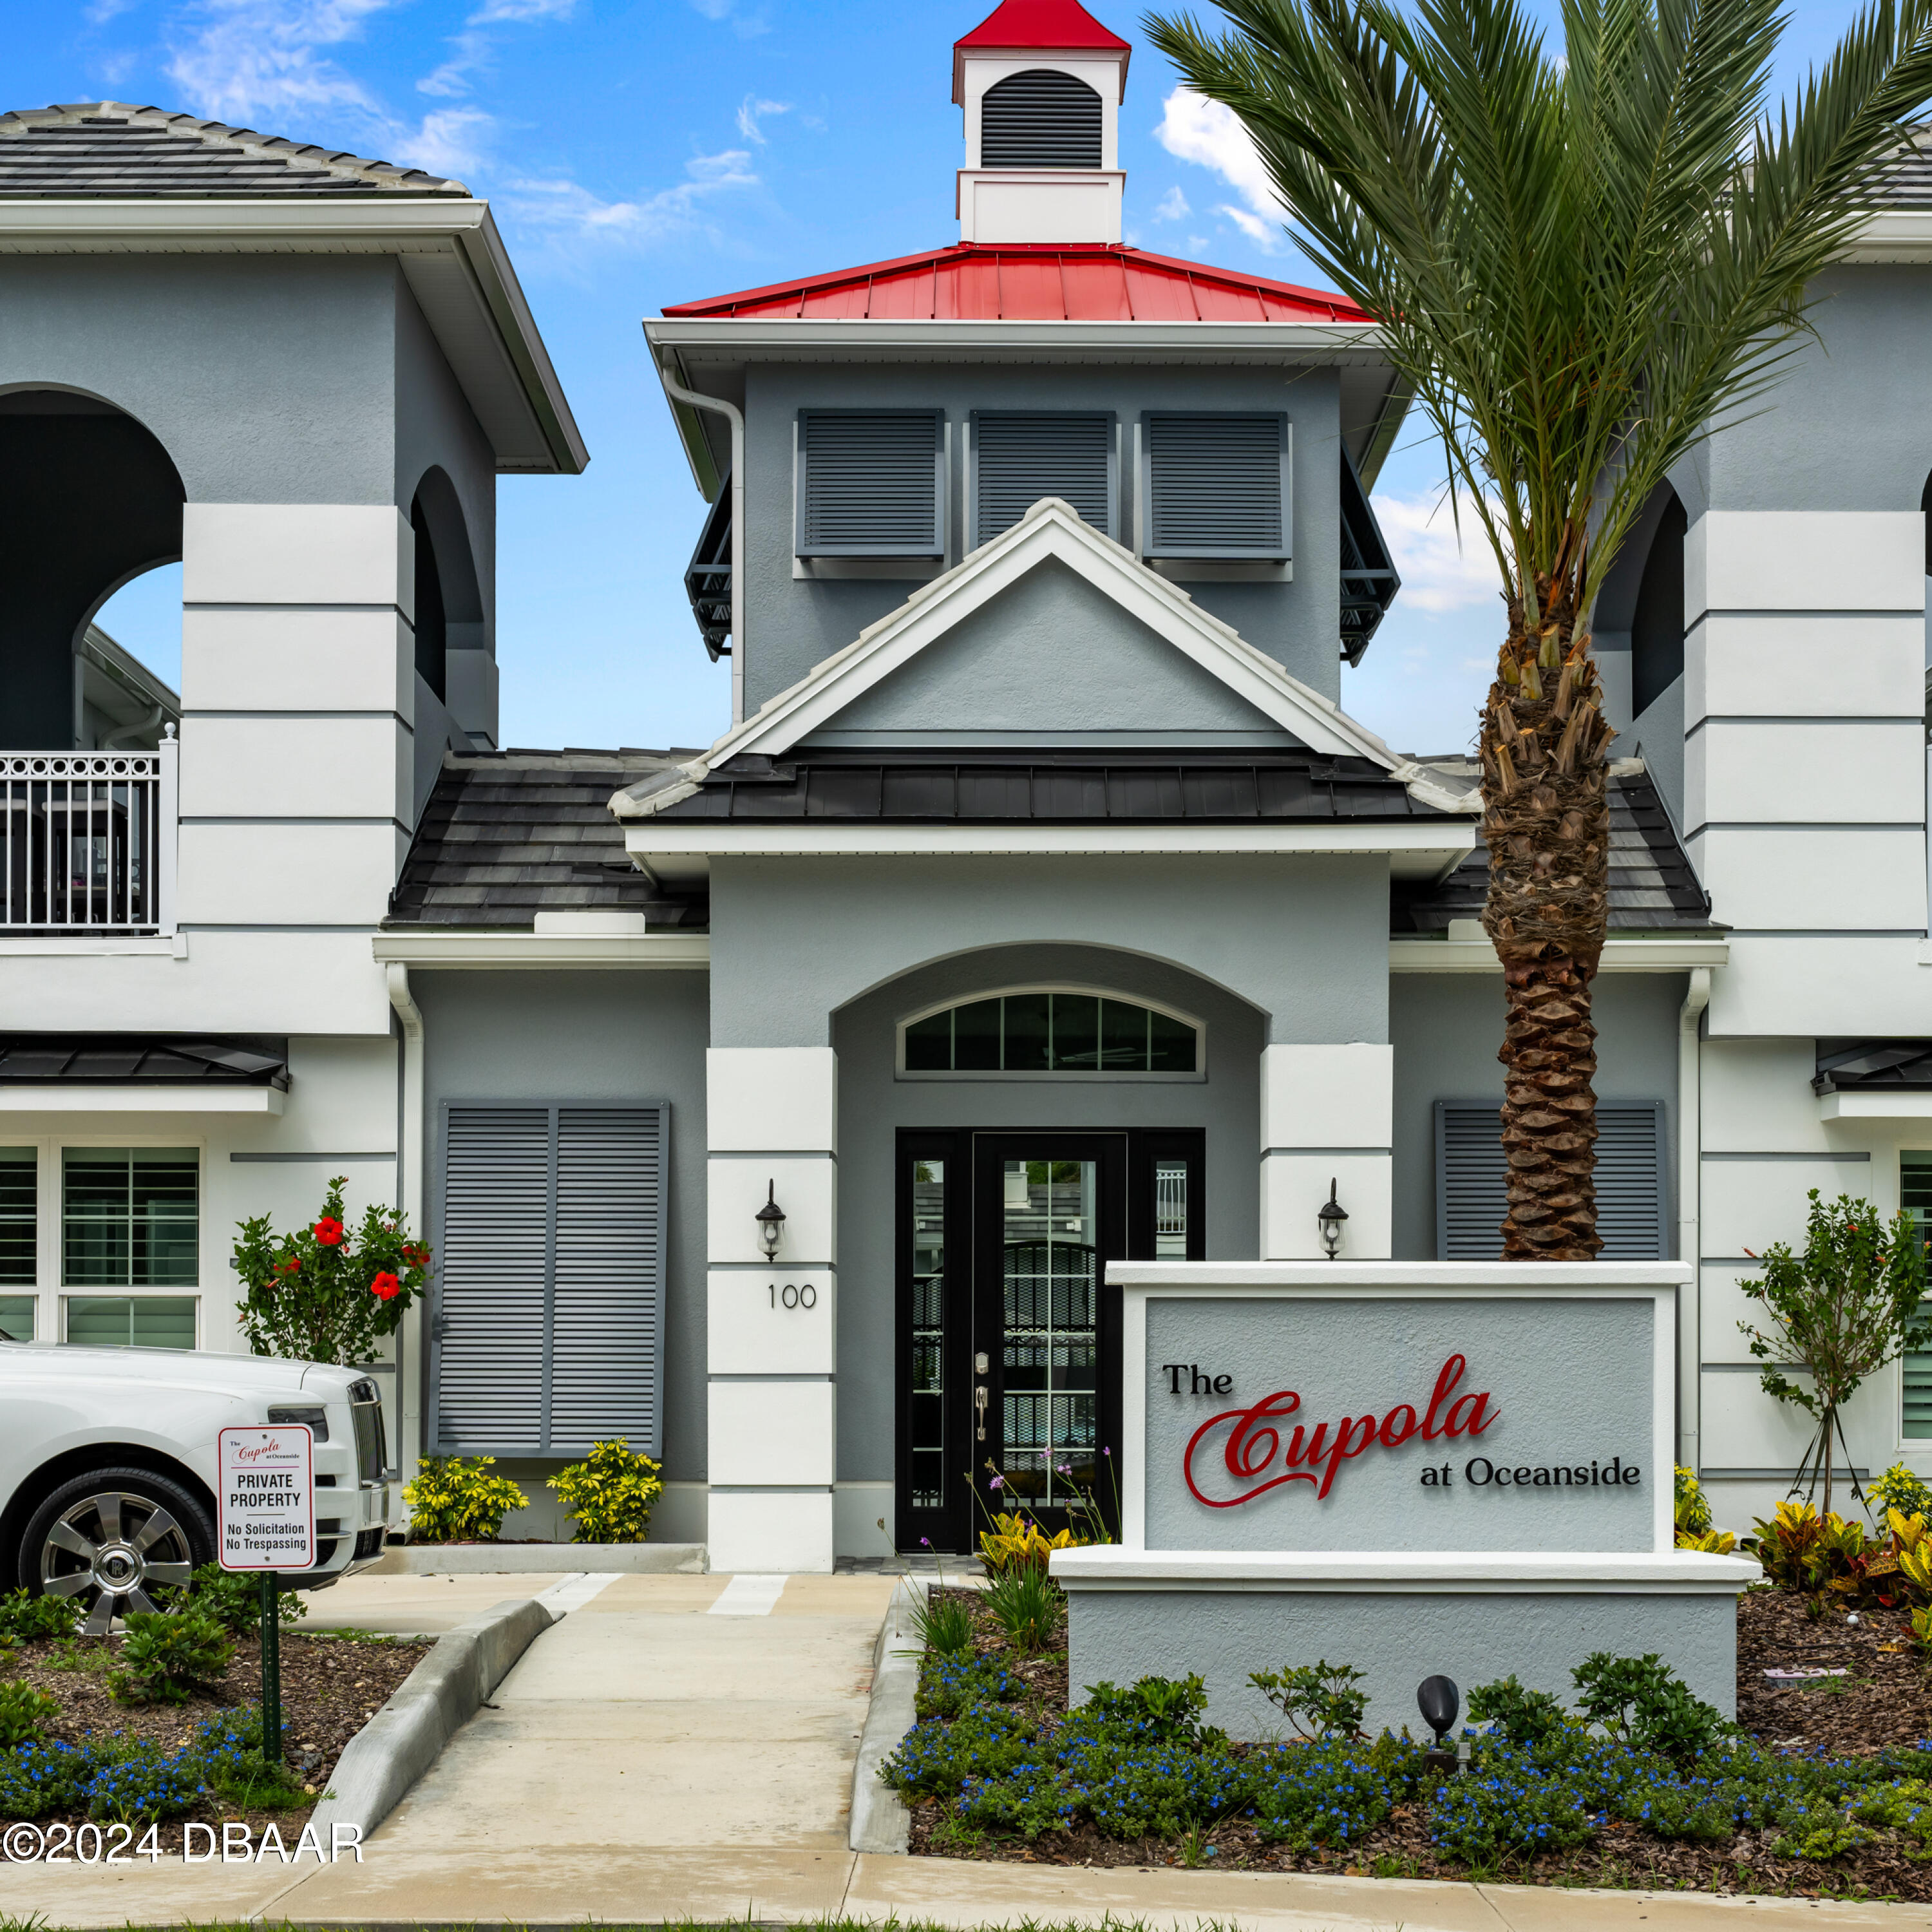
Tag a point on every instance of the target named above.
point(1656, 735)
point(794, 624)
point(874, 1105)
point(590, 1036)
point(1052, 658)
point(1395, 1640)
point(1845, 429)
point(1446, 1028)
point(268, 380)
point(1303, 939)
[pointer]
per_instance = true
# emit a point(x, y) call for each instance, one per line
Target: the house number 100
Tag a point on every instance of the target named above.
point(790, 1297)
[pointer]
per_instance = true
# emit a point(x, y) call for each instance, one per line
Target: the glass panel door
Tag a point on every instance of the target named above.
point(1050, 1266)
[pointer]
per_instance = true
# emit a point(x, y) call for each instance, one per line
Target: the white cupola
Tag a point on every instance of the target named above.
point(1041, 82)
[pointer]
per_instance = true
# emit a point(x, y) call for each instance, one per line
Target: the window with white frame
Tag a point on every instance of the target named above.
point(1915, 1196)
point(100, 1246)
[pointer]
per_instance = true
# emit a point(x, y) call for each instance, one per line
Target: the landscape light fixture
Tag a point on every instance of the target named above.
point(771, 1222)
point(1439, 1701)
point(1330, 1216)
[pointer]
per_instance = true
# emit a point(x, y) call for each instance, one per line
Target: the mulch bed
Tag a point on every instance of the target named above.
point(331, 1686)
point(1885, 1700)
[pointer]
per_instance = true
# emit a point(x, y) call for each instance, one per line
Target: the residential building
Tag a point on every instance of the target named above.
point(778, 1104)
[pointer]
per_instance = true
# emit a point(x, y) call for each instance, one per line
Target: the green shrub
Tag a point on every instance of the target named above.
point(1319, 1699)
point(166, 1655)
point(943, 1623)
point(143, 1784)
point(1028, 1605)
point(233, 1598)
point(453, 1500)
point(1157, 1710)
point(1898, 1488)
point(23, 1712)
point(1641, 1701)
point(609, 1493)
point(1523, 1716)
point(31, 1618)
point(1692, 1510)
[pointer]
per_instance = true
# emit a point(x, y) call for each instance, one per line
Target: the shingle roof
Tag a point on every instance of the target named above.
point(1031, 281)
point(107, 151)
point(249, 1061)
point(994, 787)
point(1905, 181)
point(507, 834)
point(1652, 887)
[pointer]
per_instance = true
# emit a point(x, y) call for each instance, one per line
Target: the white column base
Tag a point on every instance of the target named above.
point(771, 1532)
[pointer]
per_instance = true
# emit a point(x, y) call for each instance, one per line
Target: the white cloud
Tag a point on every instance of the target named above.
point(259, 59)
point(1438, 575)
point(1193, 128)
point(1266, 238)
point(751, 110)
point(493, 11)
point(474, 46)
point(567, 212)
point(448, 142)
point(1172, 206)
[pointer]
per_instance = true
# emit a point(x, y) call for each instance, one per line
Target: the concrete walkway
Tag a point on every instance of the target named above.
point(681, 1747)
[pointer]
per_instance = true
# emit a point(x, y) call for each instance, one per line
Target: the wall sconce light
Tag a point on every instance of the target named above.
point(771, 1222)
point(1329, 1217)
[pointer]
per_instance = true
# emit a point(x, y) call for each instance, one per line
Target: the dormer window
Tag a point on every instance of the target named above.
point(1041, 118)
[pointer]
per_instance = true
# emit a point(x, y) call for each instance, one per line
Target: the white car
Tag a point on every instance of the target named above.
point(107, 1466)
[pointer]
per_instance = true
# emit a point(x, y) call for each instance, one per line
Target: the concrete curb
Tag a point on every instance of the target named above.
point(406, 1735)
point(517, 1559)
point(880, 1821)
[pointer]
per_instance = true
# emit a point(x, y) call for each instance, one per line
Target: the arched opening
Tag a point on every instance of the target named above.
point(1657, 623)
point(1040, 119)
point(89, 500)
point(448, 601)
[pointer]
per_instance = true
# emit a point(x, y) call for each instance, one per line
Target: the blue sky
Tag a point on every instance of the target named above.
point(639, 152)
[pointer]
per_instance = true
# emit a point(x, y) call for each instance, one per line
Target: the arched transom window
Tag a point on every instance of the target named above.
point(1052, 1033)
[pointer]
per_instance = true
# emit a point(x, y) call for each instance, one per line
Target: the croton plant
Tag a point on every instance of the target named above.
point(324, 1294)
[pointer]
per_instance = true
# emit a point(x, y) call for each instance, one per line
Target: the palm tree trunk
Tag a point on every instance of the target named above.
point(1546, 823)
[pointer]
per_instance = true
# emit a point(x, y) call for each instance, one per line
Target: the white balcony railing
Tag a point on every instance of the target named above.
point(87, 842)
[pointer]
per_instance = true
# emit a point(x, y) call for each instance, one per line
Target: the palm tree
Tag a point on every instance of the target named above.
point(1582, 264)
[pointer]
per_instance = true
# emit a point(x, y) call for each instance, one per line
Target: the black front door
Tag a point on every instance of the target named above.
point(1009, 1340)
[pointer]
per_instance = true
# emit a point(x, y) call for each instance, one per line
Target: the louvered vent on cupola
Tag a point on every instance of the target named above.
point(1041, 118)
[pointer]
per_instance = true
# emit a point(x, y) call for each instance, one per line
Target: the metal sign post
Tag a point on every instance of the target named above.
point(265, 1522)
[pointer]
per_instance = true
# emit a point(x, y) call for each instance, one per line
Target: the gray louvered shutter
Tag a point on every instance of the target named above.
point(493, 1268)
point(606, 1348)
point(1041, 118)
point(1217, 486)
point(1470, 1171)
point(1018, 459)
point(548, 1330)
point(872, 483)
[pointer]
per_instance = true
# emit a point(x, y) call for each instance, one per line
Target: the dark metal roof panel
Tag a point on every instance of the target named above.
point(1072, 786)
point(1897, 1066)
point(124, 1058)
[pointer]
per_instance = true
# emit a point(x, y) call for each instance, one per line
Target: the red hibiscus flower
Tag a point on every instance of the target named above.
point(291, 1265)
point(385, 1287)
point(415, 1257)
point(328, 1232)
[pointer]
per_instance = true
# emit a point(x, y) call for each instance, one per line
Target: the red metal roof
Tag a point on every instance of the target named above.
point(1063, 24)
point(1031, 282)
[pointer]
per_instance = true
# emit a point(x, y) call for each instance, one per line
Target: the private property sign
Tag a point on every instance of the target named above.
point(265, 1498)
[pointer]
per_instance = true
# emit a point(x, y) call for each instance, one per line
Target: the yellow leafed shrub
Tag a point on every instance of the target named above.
point(456, 1500)
point(610, 1493)
point(1016, 1543)
point(1715, 1542)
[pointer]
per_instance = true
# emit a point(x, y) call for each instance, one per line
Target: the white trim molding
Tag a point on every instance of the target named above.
point(511, 948)
point(1429, 1573)
point(79, 1096)
point(1620, 956)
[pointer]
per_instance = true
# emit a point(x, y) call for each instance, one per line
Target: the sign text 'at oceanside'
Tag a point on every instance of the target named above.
point(1353, 1461)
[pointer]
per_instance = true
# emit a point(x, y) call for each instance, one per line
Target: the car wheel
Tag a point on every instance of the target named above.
point(110, 1538)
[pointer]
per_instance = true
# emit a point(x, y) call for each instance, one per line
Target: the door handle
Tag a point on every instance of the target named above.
point(979, 1405)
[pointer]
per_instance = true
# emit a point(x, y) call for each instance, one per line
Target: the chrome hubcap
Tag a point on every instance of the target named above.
point(110, 1550)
